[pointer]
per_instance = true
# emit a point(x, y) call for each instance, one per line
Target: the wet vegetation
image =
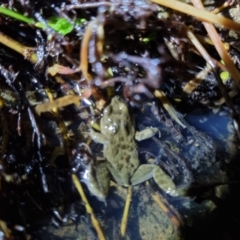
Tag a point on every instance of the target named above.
point(62, 63)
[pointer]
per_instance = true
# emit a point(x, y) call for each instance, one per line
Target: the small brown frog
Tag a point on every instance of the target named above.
point(120, 150)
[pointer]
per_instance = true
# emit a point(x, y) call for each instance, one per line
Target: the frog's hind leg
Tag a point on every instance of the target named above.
point(121, 180)
point(164, 181)
point(143, 173)
point(103, 178)
point(147, 171)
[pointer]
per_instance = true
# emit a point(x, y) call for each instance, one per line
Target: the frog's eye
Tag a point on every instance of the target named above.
point(122, 108)
point(108, 110)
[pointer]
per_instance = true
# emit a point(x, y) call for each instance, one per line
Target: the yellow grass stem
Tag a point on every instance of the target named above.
point(89, 209)
point(6, 231)
point(84, 50)
point(209, 41)
point(62, 102)
point(219, 46)
point(201, 14)
point(176, 221)
point(28, 53)
point(200, 48)
point(224, 5)
point(194, 83)
point(126, 211)
point(62, 126)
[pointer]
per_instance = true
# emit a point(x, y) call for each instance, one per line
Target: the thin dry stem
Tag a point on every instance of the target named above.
point(201, 14)
point(27, 52)
point(222, 100)
point(224, 5)
point(56, 68)
point(168, 209)
point(84, 51)
point(220, 47)
point(62, 126)
point(62, 102)
point(209, 60)
point(194, 83)
point(88, 5)
point(100, 38)
point(89, 209)
point(4, 228)
point(174, 217)
point(126, 211)
point(209, 41)
point(200, 48)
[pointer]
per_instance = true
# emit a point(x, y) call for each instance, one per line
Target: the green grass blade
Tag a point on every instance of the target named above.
point(18, 16)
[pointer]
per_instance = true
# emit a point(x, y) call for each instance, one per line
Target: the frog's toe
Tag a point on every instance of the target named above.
point(97, 137)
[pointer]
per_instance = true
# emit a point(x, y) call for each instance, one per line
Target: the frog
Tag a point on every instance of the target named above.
point(118, 136)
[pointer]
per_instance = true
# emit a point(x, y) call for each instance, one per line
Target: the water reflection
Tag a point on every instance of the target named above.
point(212, 124)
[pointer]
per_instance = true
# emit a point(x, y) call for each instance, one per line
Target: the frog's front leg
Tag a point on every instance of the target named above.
point(146, 133)
point(97, 137)
point(147, 171)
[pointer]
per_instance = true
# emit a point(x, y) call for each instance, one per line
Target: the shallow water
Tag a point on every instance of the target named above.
point(212, 124)
point(146, 219)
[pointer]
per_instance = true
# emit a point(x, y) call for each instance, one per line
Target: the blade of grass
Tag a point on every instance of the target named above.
point(59, 24)
point(16, 15)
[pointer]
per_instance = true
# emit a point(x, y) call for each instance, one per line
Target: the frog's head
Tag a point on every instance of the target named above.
point(115, 113)
point(118, 106)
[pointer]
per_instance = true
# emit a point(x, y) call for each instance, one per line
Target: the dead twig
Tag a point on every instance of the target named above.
point(219, 46)
point(28, 53)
